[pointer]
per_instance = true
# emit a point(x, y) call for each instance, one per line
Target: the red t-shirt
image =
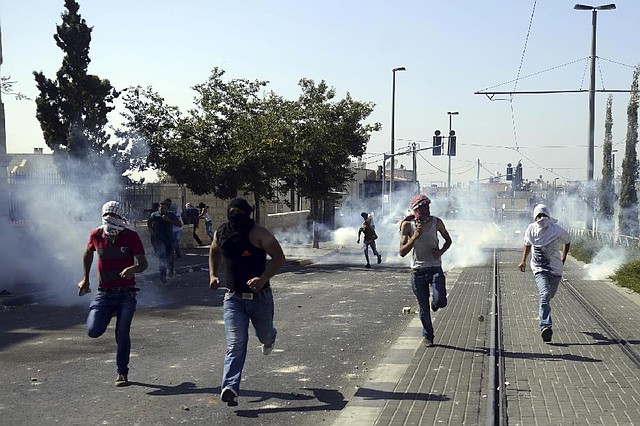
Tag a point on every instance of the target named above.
point(113, 258)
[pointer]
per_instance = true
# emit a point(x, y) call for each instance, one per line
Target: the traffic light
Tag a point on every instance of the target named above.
point(452, 144)
point(509, 171)
point(437, 143)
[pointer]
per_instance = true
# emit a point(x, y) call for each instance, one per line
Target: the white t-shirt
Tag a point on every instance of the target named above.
point(546, 239)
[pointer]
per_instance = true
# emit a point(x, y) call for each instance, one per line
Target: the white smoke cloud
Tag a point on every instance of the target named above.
point(605, 263)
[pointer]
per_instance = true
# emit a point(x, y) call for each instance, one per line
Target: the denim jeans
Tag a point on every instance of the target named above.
point(237, 313)
point(102, 308)
point(547, 288)
point(209, 227)
point(365, 248)
point(166, 256)
point(421, 281)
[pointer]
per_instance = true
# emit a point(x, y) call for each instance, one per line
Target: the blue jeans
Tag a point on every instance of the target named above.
point(166, 256)
point(237, 313)
point(102, 308)
point(547, 288)
point(421, 281)
point(209, 227)
point(365, 248)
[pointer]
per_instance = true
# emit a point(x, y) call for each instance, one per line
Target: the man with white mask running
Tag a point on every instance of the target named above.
point(120, 257)
point(547, 264)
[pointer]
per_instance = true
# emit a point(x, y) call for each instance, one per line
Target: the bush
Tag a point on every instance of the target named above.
point(629, 276)
point(584, 249)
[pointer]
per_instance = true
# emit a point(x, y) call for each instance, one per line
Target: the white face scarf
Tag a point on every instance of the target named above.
point(112, 226)
point(544, 231)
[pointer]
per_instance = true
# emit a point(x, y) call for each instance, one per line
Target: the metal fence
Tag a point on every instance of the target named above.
point(33, 194)
point(607, 237)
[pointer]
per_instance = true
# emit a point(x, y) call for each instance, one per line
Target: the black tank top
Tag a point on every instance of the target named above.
point(242, 261)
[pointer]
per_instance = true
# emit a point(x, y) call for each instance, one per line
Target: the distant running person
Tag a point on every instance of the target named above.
point(369, 239)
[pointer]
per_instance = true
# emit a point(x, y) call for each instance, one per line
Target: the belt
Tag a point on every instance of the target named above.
point(118, 289)
point(251, 296)
point(426, 270)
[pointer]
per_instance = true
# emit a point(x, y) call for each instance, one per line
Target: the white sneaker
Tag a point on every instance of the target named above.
point(266, 350)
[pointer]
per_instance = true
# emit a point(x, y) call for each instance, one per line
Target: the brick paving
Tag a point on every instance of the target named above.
point(582, 378)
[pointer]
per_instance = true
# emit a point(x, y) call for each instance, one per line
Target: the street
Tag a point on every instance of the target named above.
point(335, 320)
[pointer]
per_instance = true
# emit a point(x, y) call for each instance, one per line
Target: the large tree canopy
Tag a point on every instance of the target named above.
point(238, 138)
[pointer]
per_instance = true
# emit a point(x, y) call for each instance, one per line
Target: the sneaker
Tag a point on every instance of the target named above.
point(379, 259)
point(122, 380)
point(434, 307)
point(428, 342)
point(546, 334)
point(266, 350)
point(229, 396)
point(163, 279)
point(170, 275)
point(368, 266)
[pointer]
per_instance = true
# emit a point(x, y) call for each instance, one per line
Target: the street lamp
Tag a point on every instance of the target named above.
point(592, 94)
point(393, 136)
point(450, 113)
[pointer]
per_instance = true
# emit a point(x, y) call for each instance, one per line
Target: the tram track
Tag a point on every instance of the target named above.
point(496, 413)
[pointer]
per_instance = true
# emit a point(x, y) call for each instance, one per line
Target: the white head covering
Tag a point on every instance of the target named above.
point(112, 226)
point(541, 209)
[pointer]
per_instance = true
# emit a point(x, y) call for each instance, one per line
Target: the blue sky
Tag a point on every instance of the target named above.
point(450, 50)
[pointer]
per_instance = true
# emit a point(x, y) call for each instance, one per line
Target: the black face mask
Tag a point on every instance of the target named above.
point(238, 221)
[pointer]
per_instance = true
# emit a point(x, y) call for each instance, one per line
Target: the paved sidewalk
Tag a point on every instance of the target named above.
point(582, 378)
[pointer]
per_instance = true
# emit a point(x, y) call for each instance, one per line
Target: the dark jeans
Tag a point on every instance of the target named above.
point(166, 255)
point(103, 307)
point(421, 281)
point(195, 235)
point(238, 313)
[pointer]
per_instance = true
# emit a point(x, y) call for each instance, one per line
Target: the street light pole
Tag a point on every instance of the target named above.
point(450, 113)
point(393, 125)
point(592, 97)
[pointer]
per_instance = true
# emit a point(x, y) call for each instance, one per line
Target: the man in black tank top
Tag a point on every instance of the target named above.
point(241, 247)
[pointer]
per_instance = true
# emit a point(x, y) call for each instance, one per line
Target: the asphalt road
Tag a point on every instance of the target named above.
point(335, 320)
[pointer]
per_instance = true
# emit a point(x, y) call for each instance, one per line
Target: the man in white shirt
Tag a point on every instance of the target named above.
point(543, 239)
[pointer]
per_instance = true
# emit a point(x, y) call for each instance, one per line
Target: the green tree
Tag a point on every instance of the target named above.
point(329, 133)
point(233, 141)
point(628, 215)
point(72, 109)
point(607, 195)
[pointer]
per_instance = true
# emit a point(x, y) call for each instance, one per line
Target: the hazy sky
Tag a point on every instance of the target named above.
point(450, 49)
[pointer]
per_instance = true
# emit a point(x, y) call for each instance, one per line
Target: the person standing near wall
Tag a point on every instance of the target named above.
point(208, 223)
point(163, 222)
point(191, 216)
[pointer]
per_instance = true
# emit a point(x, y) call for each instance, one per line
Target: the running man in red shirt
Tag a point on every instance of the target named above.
point(120, 257)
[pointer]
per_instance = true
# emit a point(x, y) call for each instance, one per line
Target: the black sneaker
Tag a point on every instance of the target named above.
point(368, 266)
point(379, 259)
point(434, 307)
point(546, 334)
point(229, 396)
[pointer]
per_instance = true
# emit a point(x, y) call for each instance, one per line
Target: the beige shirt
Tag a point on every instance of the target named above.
point(422, 253)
